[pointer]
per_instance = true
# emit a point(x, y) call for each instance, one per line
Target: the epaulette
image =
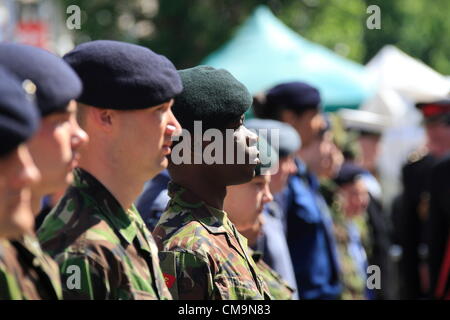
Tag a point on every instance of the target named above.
point(417, 155)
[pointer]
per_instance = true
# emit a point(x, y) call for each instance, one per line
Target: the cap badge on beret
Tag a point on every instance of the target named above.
point(29, 86)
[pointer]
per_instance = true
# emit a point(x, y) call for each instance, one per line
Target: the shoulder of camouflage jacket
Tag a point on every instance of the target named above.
point(277, 286)
point(226, 274)
point(17, 282)
point(85, 241)
point(70, 228)
point(9, 285)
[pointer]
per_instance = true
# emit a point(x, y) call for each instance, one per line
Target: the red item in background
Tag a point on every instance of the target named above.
point(443, 286)
point(34, 33)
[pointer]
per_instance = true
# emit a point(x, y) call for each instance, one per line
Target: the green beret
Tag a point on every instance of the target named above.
point(210, 95)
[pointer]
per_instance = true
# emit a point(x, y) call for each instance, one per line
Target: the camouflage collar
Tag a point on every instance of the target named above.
point(256, 255)
point(213, 219)
point(107, 205)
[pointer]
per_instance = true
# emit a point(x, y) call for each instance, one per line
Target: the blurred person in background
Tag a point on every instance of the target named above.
point(348, 210)
point(272, 240)
point(244, 205)
point(309, 226)
point(361, 143)
point(413, 227)
point(25, 272)
point(439, 225)
point(55, 146)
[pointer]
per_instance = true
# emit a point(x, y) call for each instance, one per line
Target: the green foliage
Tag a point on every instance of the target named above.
point(188, 30)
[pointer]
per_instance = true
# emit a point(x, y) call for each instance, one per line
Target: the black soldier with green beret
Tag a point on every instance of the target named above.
point(203, 255)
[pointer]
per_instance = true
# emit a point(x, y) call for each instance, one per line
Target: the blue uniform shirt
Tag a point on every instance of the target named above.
point(274, 245)
point(154, 199)
point(310, 238)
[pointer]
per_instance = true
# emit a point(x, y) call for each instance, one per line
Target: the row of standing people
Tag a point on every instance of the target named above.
point(212, 213)
point(316, 243)
point(93, 244)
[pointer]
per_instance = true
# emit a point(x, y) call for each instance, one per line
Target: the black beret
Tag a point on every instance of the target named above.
point(19, 117)
point(212, 96)
point(56, 83)
point(298, 96)
point(348, 173)
point(123, 76)
point(288, 139)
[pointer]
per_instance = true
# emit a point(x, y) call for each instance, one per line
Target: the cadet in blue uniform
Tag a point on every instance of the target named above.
point(309, 225)
point(272, 242)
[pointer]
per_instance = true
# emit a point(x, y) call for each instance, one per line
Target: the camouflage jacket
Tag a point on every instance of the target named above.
point(203, 256)
point(26, 273)
point(103, 251)
point(278, 288)
point(352, 256)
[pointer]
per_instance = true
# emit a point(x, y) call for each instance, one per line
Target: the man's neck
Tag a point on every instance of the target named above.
point(211, 194)
point(36, 198)
point(119, 183)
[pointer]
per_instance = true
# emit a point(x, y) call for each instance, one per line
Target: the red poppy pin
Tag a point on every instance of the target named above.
point(169, 279)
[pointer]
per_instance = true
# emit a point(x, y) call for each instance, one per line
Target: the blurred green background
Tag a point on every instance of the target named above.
point(186, 31)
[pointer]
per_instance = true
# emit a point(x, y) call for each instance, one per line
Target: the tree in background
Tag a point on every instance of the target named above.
point(188, 30)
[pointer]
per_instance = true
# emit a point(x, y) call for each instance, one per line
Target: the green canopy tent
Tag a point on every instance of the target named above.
point(265, 52)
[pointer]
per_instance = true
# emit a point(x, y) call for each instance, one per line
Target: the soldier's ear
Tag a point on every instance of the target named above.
point(103, 118)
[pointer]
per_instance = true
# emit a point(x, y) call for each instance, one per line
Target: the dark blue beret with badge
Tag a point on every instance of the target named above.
point(19, 117)
point(123, 76)
point(212, 96)
point(56, 82)
point(297, 96)
point(349, 173)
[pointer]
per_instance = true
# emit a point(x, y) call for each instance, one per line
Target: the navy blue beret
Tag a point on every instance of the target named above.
point(56, 83)
point(123, 76)
point(19, 117)
point(297, 96)
point(289, 140)
point(348, 173)
point(211, 95)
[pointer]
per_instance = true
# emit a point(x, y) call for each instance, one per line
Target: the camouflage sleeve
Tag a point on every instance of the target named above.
point(187, 274)
point(83, 277)
point(279, 289)
point(9, 288)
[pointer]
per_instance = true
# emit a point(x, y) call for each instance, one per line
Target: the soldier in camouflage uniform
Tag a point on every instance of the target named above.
point(204, 256)
point(23, 275)
point(95, 233)
point(350, 229)
point(278, 287)
point(53, 148)
point(244, 204)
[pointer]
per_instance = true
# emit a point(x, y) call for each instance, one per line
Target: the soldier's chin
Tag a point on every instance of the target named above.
point(19, 225)
point(69, 178)
point(164, 162)
point(10, 231)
